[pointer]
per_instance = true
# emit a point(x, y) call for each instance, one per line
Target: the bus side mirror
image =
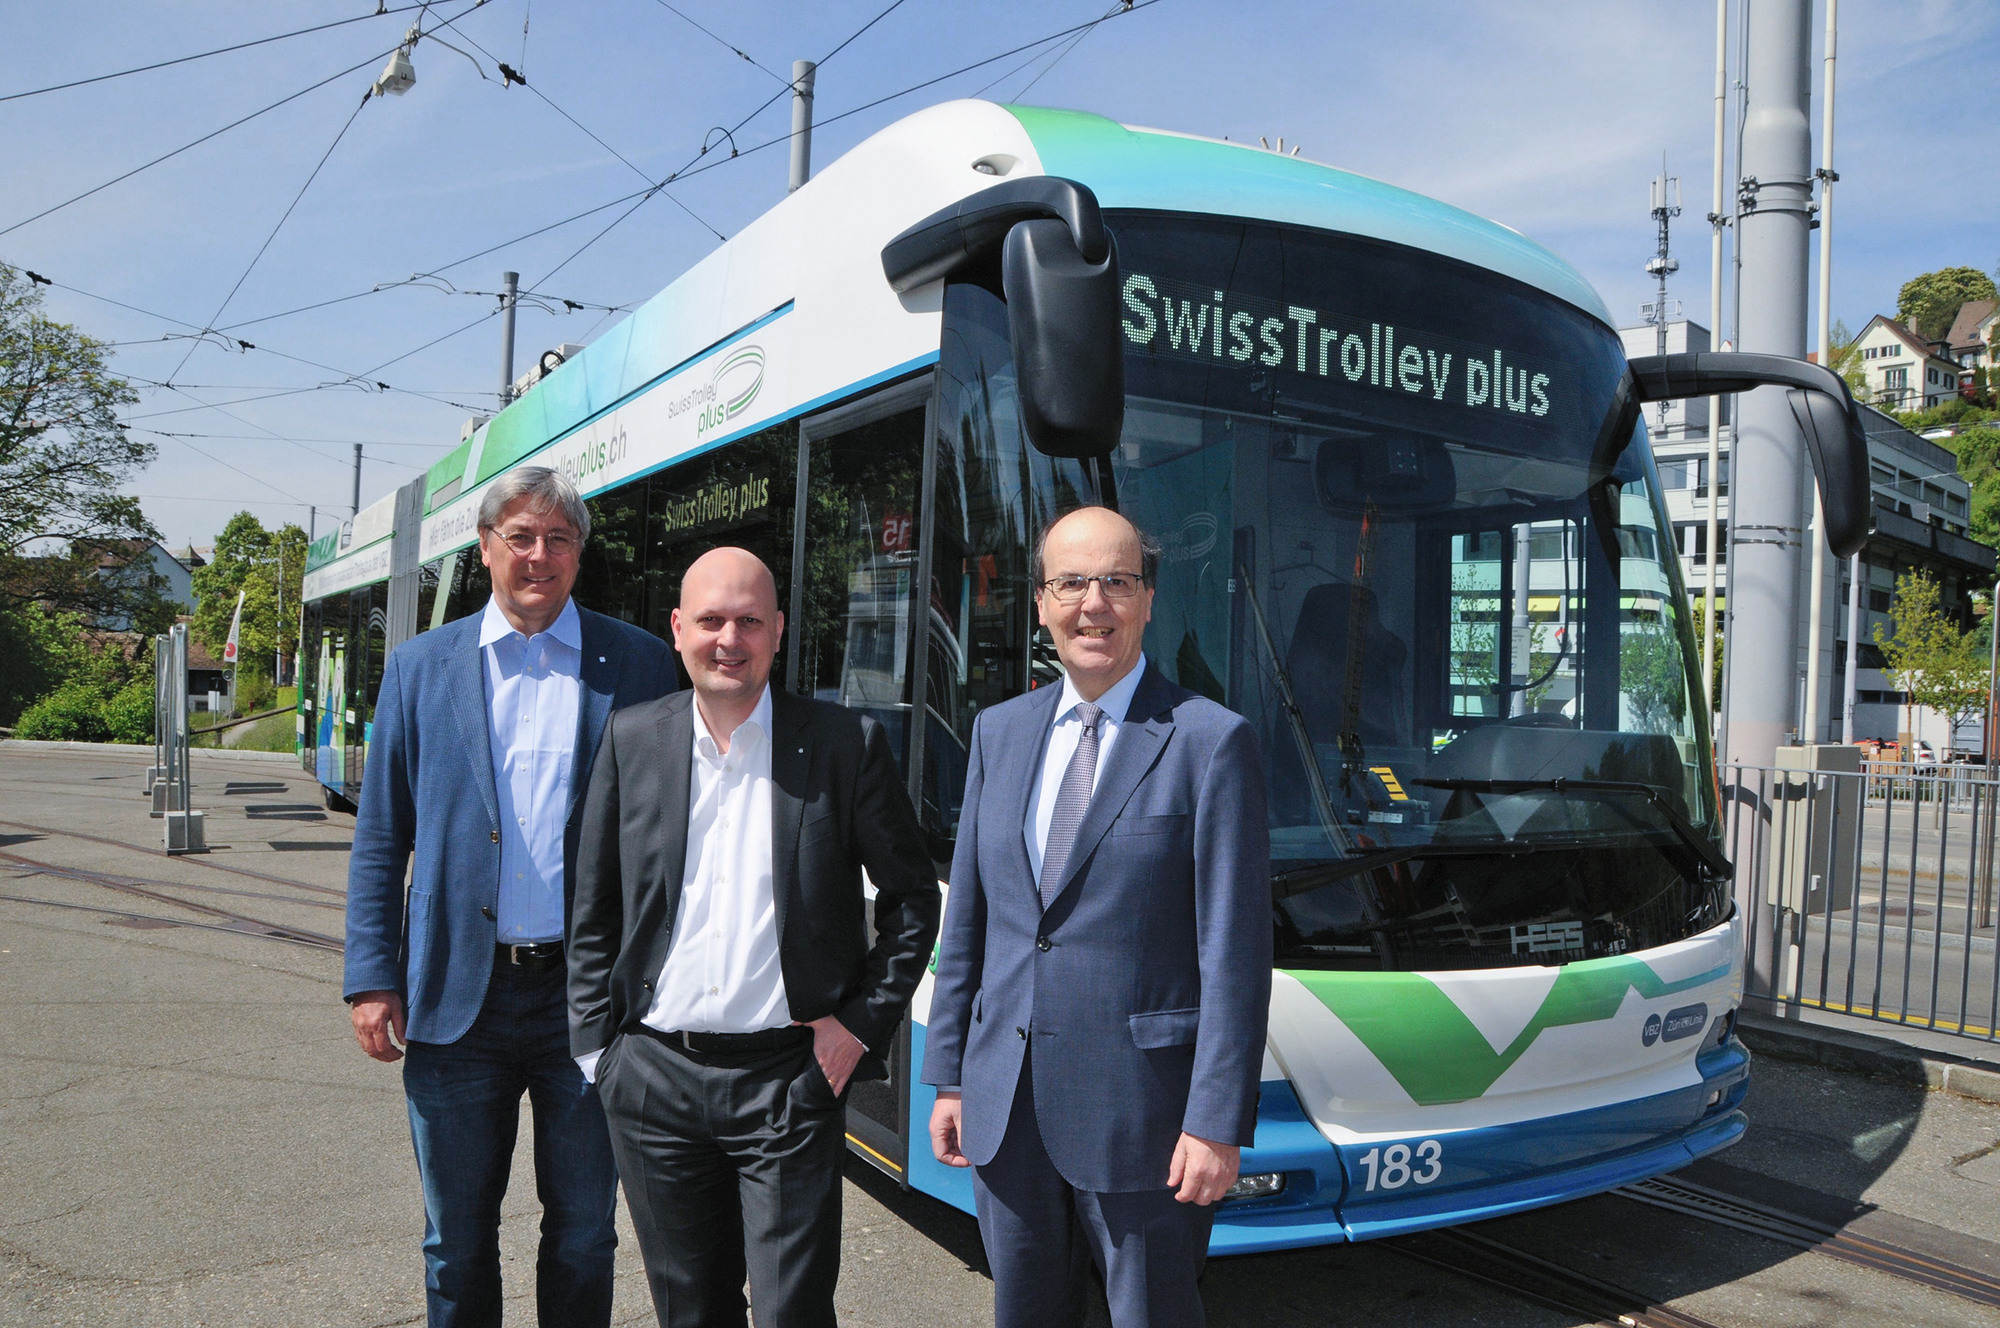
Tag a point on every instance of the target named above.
point(1069, 351)
point(1822, 405)
point(1058, 270)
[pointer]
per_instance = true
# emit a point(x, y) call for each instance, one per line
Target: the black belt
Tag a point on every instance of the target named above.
point(540, 956)
point(730, 1046)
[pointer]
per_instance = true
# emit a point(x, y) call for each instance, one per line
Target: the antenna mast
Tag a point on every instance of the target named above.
point(1666, 206)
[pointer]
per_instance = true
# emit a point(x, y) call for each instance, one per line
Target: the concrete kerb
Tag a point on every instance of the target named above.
point(1863, 1053)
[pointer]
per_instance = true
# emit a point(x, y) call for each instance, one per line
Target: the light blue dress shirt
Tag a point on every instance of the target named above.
point(1064, 734)
point(532, 685)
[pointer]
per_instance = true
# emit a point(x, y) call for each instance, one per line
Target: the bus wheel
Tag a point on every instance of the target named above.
point(336, 803)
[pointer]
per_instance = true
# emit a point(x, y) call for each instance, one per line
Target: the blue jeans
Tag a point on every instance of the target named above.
point(465, 1108)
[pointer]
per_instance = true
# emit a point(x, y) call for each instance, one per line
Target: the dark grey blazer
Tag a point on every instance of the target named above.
point(1146, 984)
point(838, 805)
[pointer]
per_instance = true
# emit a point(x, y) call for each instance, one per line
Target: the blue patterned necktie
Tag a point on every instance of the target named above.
point(1072, 800)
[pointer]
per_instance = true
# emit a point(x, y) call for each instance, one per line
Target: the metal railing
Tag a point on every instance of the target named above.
point(1870, 892)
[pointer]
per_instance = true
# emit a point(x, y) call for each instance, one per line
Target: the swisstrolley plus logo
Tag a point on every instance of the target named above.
point(735, 382)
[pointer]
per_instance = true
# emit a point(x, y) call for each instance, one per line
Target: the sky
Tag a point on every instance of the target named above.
point(1551, 117)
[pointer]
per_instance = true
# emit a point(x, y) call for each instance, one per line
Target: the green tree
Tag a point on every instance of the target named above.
point(1653, 674)
point(63, 459)
point(1845, 358)
point(249, 558)
point(106, 696)
point(1978, 452)
point(1699, 618)
point(39, 648)
point(1936, 663)
point(1929, 302)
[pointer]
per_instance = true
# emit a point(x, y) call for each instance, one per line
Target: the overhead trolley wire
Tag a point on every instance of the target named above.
point(215, 133)
point(287, 216)
point(685, 171)
point(724, 42)
point(203, 55)
point(550, 103)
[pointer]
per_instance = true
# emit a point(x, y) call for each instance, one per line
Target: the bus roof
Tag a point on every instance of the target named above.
point(1131, 167)
point(812, 261)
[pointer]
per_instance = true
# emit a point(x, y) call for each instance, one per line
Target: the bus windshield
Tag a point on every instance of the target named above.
point(1412, 531)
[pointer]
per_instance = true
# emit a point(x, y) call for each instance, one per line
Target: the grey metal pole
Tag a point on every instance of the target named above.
point(1765, 501)
point(510, 296)
point(1853, 649)
point(1814, 629)
point(802, 122)
point(1992, 668)
point(357, 481)
point(1710, 628)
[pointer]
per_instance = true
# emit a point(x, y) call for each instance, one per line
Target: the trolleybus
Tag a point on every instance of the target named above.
point(1412, 531)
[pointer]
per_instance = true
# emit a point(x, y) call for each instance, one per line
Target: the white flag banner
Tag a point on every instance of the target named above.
point(235, 626)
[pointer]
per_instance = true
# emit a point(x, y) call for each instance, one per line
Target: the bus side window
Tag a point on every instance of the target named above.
point(855, 590)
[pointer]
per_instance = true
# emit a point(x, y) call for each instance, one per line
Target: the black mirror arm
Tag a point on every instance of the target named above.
point(1828, 420)
point(1723, 373)
point(971, 231)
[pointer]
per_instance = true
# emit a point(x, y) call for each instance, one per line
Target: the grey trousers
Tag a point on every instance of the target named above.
point(1041, 1235)
point(730, 1170)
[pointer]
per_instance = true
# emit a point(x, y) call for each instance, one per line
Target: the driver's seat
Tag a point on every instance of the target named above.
point(1318, 661)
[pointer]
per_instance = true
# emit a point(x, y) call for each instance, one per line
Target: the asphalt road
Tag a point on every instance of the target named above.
point(188, 1134)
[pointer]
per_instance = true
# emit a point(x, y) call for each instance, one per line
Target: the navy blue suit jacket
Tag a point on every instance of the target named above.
point(1146, 984)
point(428, 790)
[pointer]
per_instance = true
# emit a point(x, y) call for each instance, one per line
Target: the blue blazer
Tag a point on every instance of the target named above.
point(428, 789)
point(1146, 985)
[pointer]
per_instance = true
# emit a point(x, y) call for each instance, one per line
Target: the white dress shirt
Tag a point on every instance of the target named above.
point(532, 685)
point(1065, 734)
point(722, 973)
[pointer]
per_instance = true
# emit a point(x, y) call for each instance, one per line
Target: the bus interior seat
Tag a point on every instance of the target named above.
point(1321, 653)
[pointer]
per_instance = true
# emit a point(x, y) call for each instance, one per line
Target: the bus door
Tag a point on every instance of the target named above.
point(855, 625)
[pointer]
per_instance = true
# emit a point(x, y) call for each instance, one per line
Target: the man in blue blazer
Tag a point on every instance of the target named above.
point(484, 734)
point(1104, 972)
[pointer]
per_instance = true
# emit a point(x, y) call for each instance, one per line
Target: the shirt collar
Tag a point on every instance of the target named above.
point(1117, 698)
point(760, 718)
point(567, 628)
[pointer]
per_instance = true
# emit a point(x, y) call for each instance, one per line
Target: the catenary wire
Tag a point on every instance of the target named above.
point(705, 32)
point(203, 55)
point(257, 257)
point(215, 133)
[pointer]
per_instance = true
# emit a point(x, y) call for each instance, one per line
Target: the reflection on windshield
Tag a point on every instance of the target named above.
point(1411, 533)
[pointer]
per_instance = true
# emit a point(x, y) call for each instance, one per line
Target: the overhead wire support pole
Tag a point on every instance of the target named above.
point(1815, 620)
point(1712, 553)
point(1766, 507)
point(803, 72)
point(357, 482)
point(510, 297)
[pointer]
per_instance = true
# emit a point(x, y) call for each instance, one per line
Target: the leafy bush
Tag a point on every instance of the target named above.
point(73, 712)
point(128, 715)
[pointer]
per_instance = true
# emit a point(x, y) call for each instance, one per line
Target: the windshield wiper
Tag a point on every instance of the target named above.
point(1296, 719)
point(1699, 844)
point(1304, 880)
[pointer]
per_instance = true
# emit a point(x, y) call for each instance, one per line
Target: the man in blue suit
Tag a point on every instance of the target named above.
point(1104, 971)
point(484, 734)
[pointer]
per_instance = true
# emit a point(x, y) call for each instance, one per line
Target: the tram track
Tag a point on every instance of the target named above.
point(146, 850)
point(1723, 1209)
point(1480, 1257)
point(222, 919)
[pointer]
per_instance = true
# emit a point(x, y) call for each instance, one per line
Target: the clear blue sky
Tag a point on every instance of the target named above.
point(1550, 117)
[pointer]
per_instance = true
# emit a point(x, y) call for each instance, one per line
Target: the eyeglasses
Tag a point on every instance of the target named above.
point(1071, 589)
point(523, 544)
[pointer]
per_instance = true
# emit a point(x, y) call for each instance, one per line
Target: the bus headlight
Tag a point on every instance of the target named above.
point(1256, 1187)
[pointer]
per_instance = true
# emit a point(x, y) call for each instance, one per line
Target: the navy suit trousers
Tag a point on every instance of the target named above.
point(1042, 1234)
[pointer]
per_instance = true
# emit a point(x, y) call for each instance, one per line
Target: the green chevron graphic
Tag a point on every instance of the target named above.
point(1438, 1055)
